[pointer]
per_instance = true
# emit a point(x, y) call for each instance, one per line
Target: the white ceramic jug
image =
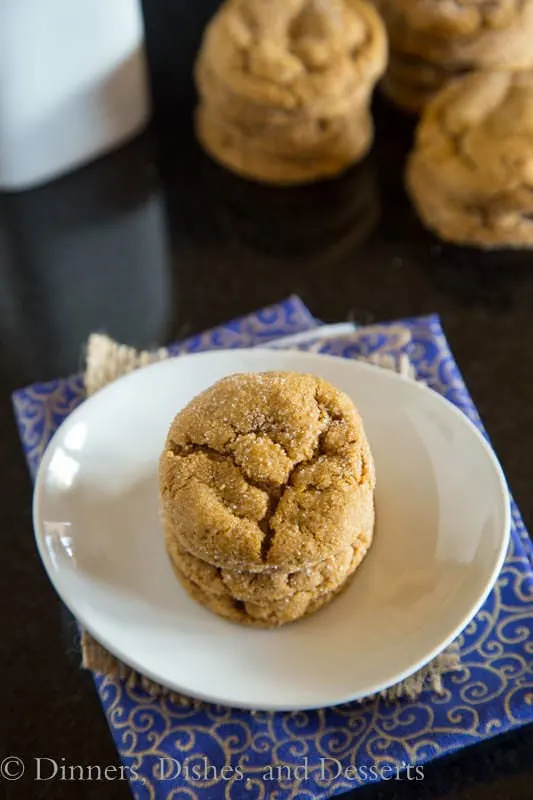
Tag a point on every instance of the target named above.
point(72, 84)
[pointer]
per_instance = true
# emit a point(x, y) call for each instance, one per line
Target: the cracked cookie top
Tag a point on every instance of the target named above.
point(476, 139)
point(289, 54)
point(267, 470)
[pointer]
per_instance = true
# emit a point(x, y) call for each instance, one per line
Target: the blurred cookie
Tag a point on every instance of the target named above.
point(410, 82)
point(471, 170)
point(462, 34)
point(258, 158)
point(285, 86)
point(297, 131)
point(433, 41)
point(291, 54)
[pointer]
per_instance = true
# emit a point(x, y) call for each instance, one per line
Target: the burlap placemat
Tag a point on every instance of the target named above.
point(106, 360)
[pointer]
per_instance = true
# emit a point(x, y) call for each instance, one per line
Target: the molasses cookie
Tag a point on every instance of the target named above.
point(435, 40)
point(267, 490)
point(285, 86)
point(470, 174)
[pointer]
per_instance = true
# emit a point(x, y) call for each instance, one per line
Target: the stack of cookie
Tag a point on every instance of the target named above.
point(471, 172)
point(267, 488)
point(432, 41)
point(285, 86)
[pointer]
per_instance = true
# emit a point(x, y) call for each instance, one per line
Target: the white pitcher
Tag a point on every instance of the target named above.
point(72, 84)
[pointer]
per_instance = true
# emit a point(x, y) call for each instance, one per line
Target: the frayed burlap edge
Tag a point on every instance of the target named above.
point(107, 360)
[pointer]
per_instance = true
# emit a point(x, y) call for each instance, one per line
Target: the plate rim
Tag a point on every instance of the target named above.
point(311, 357)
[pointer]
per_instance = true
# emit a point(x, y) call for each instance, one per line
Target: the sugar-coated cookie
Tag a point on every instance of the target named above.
point(267, 494)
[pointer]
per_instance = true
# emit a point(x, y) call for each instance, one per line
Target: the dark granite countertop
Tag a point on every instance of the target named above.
point(153, 243)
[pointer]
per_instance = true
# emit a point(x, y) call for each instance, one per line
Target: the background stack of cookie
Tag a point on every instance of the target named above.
point(467, 66)
point(285, 86)
point(470, 174)
point(432, 41)
point(267, 491)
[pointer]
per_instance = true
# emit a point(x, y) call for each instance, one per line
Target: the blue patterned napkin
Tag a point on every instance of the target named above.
point(173, 751)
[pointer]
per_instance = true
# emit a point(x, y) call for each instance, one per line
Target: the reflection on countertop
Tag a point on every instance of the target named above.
point(86, 253)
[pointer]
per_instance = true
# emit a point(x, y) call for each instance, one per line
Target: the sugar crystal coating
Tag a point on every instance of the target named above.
point(267, 492)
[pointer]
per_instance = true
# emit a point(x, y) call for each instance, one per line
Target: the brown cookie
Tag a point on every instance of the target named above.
point(269, 585)
point(411, 82)
point(267, 470)
point(297, 131)
point(285, 87)
point(461, 34)
point(471, 169)
point(294, 55)
point(271, 615)
point(259, 159)
point(467, 223)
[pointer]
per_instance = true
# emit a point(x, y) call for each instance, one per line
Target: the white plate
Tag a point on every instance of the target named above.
point(442, 534)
